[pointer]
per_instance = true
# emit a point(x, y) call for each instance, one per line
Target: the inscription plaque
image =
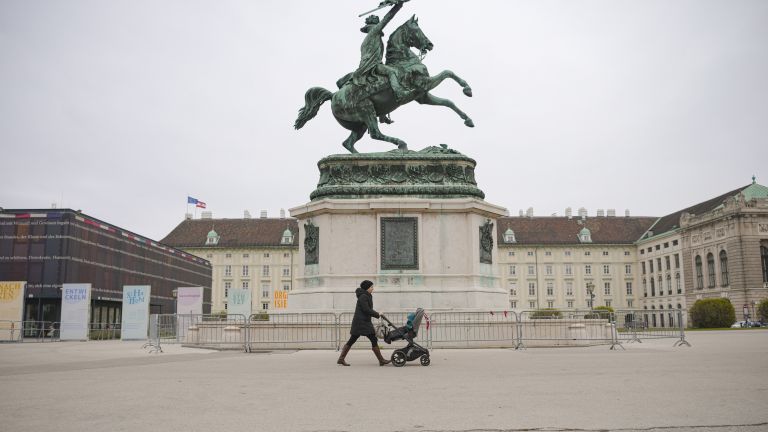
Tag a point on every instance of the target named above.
point(399, 243)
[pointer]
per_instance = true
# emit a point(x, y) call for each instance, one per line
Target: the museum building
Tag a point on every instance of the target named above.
point(50, 247)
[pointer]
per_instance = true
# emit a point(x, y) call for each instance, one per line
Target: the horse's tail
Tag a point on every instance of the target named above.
point(313, 99)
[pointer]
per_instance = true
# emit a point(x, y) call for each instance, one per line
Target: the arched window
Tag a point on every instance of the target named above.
point(710, 270)
point(723, 268)
point(764, 255)
point(699, 274)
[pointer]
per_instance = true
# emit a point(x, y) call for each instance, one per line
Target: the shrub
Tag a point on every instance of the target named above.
point(546, 313)
point(712, 313)
point(600, 312)
point(762, 310)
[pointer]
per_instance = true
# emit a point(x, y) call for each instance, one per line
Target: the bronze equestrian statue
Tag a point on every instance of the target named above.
point(375, 89)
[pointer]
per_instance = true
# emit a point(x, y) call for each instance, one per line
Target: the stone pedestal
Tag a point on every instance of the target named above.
point(414, 223)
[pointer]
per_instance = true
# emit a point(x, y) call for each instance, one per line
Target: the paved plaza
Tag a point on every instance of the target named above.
point(719, 384)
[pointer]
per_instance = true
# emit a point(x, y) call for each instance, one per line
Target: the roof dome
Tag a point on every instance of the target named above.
point(585, 231)
point(212, 233)
point(509, 232)
point(287, 233)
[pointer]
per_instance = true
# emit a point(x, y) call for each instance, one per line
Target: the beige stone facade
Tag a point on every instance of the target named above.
point(662, 278)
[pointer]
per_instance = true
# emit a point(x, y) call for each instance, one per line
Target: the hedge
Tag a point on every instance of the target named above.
point(712, 313)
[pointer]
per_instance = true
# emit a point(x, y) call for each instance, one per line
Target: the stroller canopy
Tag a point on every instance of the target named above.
point(414, 320)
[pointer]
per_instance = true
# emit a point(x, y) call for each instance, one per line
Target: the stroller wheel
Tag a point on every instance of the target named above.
point(424, 360)
point(398, 358)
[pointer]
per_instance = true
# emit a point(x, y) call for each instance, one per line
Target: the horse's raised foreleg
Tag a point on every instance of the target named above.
point(429, 99)
point(373, 130)
point(436, 80)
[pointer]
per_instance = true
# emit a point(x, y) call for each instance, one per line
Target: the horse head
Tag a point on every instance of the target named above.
point(416, 38)
point(407, 36)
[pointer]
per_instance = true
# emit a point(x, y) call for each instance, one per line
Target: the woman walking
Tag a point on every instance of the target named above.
point(361, 323)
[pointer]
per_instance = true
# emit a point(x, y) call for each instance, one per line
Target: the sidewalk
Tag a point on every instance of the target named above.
point(114, 386)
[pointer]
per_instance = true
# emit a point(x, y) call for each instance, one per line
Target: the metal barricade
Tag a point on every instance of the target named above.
point(202, 331)
point(496, 329)
point(638, 324)
point(103, 331)
point(552, 328)
point(39, 331)
point(11, 331)
point(292, 331)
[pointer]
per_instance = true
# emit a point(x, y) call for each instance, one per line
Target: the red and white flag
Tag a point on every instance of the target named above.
point(200, 204)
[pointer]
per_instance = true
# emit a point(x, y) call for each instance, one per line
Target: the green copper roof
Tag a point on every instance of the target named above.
point(755, 191)
point(585, 230)
point(213, 233)
point(287, 233)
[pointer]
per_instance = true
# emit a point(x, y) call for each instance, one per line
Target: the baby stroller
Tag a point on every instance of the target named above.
point(409, 331)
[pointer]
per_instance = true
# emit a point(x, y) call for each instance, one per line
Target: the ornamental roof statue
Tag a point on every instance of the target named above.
point(387, 78)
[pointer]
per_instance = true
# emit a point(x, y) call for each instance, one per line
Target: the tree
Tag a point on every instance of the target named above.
point(712, 313)
point(762, 310)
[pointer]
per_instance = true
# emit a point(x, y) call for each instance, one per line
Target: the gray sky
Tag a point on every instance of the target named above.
point(123, 108)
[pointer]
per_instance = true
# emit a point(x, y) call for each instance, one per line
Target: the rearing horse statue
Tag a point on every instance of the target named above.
point(357, 107)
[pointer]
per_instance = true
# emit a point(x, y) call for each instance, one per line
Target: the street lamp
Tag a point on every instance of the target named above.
point(746, 314)
point(591, 293)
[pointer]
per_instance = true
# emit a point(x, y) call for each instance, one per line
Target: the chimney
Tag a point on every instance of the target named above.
point(626, 213)
point(600, 213)
point(529, 212)
point(582, 213)
point(282, 213)
point(611, 212)
point(53, 205)
point(522, 213)
point(187, 216)
point(206, 215)
point(263, 214)
point(569, 213)
point(246, 214)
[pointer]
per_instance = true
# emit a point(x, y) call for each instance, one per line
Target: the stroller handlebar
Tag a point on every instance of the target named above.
point(387, 320)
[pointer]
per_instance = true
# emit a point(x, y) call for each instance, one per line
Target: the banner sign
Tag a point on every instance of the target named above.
point(135, 312)
point(280, 300)
point(12, 301)
point(189, 301)
point(75, 311)
point(239, 302)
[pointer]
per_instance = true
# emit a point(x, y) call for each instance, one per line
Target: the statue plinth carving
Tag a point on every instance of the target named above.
point(435, 172)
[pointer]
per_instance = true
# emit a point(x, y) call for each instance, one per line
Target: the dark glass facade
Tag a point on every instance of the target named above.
point(47, 248)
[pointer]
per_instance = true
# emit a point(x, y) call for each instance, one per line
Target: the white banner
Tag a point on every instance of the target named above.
point(189, 301)
point(135, 312)
point(239, 302)
point(75, 311)
point(12, 301)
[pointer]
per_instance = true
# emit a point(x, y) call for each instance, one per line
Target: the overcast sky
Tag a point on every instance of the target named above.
point(123, 108)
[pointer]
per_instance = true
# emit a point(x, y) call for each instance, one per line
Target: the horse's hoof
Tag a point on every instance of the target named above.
point(469, 123)
point(351, 149)
point(468, 91)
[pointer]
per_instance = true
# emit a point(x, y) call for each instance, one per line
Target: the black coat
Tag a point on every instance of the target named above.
point(361, 323)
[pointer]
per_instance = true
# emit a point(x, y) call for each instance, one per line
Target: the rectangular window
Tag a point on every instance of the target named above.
point(667, 262)
point(570, 304)
point(674, 242)
point(531, 270)
point(286, 272)
point(642, 251)
point(643, 266)
point(228, 271)
point(265, 271)
point(513, 304)
point(286, 255)
point(650, 265)
point(629, 288)
point(245, 284)
point(549, 270)
point(626, 253)
point(606, 269)
point(225, 306)
point(266, 254)
point(265, 306)
point(588, 269)
point(628, 269)
point(532, 304)
point(550, 288)
point(550, 304)
point(513, 291)
point(548, 253)
point(587, 253)
point(658, 263)
point(567, 253)
point(286, 287)
point(530, 253)
point(229, 255)
point(265, 293)
point(605, 253)
point(666, 245)
point(512, 270)
point(246, 255)
point(227, 285)
point(607, 288)
point(568, 270)
point(658, 247)
point(608, 302)
point(511, 253)
point(245, 271)
point(629, 303)
point(677, 261)
point(569, 288)
point(531, 288)
point(226, 292)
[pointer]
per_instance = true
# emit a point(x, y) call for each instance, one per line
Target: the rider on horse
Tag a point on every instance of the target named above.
point(372, 55)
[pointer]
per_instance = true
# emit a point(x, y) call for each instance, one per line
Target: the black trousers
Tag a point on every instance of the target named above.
point(371, 337)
